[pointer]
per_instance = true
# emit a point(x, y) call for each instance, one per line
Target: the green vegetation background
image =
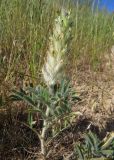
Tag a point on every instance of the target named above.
point(25, 26)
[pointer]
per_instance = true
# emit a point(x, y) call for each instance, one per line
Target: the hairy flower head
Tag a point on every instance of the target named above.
point(58, 42)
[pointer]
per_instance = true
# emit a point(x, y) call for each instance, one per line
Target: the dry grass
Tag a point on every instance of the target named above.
point(25, 29)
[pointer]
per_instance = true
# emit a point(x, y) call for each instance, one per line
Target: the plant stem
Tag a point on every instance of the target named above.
point(45, 127)
point(43, 135)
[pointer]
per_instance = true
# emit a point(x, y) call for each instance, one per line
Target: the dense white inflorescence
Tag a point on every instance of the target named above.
point(58, 42)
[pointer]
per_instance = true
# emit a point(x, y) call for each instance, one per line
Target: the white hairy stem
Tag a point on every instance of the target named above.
point(45, 127)
point(43, 135)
